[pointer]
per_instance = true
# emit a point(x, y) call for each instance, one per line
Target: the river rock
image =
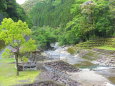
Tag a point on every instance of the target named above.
point(44, 83)
point(61, 65)
point(56, 77)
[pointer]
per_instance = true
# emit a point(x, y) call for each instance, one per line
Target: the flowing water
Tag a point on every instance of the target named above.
point(62, 54)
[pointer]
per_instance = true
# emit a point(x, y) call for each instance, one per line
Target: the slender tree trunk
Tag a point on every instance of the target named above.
point(16, 58)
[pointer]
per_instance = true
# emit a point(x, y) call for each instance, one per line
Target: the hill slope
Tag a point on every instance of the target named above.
point(28, 5)
point(9, 8)
point(73, 21)
point(49, 12)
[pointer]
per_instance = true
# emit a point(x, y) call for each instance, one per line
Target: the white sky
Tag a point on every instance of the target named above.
point(20, 1)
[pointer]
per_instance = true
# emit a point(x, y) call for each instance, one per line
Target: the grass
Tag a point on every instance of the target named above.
point(106, 48)
point(8, 74)
point(90, 55)
point(102, 43)
point(7, 60)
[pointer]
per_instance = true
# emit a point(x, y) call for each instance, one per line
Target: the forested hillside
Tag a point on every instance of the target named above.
point(10, 9)
point(28, 5)
point(72, 21)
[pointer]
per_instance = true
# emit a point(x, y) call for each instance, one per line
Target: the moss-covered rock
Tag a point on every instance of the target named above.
point(71, 50)
point(84, 64)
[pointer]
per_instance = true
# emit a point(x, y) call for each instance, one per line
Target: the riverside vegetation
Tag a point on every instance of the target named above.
point(87, 26)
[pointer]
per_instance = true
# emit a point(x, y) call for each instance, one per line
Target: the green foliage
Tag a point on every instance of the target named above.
point(92, 20)
point(28, 5)
point(112, 8)
point(14, 33)
point(10, 9)
point(7, 53)
point(44, 36)
point(58, 11)
point(25, 59)
point(28, 46)
point(76, 20)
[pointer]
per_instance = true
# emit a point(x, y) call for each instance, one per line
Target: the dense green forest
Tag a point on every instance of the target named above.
point(72, 21)
point(10, 9)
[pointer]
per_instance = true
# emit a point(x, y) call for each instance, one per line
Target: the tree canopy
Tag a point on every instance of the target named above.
point(76, 20)
point(10, 9)
point(17, 35)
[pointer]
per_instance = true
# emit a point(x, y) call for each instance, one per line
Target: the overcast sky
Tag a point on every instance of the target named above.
point(20, 1)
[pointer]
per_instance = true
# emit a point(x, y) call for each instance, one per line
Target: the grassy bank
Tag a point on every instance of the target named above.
point(94, 49)
point(7, 60)
point(8, 74)
point(106, 48)
point(102, 43)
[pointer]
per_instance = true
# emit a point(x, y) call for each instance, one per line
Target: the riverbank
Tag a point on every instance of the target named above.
point(99, 56)
point(89, 59)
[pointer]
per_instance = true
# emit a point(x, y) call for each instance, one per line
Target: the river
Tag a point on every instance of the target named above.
point(91, 72)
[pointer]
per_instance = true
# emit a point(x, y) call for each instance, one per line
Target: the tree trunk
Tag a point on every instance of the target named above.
point(16, 58)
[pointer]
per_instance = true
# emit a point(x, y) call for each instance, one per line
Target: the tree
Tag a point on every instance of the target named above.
point(112, 7)
point(93, 19)
point(17, 35)
point(44, 36)
point(112, 11)
point(54, 10)
point(10, 9)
